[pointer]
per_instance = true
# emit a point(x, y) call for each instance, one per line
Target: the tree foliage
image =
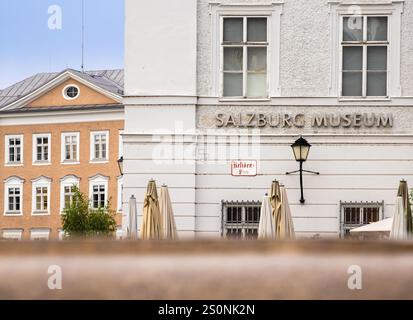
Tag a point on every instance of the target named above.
point(80, 220)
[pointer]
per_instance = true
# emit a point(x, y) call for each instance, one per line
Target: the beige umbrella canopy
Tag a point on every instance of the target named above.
point(133, 224)
point(151, 224)
point(285, 228)
point(402, 217)
point(266, 225)
point(168, 226)
point(275, 200)
point(283, 223)
point(407, 210)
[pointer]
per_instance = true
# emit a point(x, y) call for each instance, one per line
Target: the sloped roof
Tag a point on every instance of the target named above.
point(110, 80)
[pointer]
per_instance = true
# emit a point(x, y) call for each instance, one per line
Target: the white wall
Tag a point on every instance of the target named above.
point(172, 58)
point(367, 170)
point(305, 46)
point(160, 52)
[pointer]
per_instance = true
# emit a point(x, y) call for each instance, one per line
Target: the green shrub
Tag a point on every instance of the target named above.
point(80, 220)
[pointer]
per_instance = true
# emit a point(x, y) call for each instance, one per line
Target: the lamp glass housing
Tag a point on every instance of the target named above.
point(301, 149)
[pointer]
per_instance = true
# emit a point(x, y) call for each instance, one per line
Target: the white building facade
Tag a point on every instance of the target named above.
point(209, 83)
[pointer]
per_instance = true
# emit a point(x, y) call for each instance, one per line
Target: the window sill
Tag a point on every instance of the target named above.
point(12, 214)
point(99, 161)
point(70, 162)
point(244, 99)
point(40, 213)
point(39, 163)
point(16, 164)
point(354, 99)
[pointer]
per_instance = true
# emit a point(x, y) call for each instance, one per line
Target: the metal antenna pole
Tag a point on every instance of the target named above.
point(83, 36)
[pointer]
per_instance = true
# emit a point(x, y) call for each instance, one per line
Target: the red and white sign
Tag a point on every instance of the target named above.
point(244, 168)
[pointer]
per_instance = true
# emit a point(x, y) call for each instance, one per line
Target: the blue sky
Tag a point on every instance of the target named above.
point(29, 46)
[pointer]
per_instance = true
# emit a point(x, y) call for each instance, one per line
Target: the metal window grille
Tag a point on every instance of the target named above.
point(357, 214)
point(240, 220)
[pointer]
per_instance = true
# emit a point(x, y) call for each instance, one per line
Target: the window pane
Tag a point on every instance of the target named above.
point(376, 58)
point(233, 30)
point(11, 154)
point(352, 58)
point(376, 84)
point(352, 84)
point(377, 28)
point(257, 59)
point(353, 29)
point(232, 85)
point(233, 59)
point(257, 29)
point(257, 85)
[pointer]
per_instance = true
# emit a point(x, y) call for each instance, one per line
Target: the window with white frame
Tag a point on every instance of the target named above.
point(12, 234)
point(245, 51)
point(99, 148)
point(365, 46)
point(240, 220)
point(67, 187)
point(244, 56)
point(41, 234)
point(14, 149)
point(98, 191)
point(41, 148)
point(41, 196)
point(357, 214)
point(13, 196)
point(70, 147)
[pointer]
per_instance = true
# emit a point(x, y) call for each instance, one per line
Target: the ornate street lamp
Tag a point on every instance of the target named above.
point(301, 148)
point(120, 165)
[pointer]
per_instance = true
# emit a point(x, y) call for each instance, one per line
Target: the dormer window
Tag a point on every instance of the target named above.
point(71, 92)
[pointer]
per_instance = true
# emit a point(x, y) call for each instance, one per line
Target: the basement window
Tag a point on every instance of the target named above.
point(357, 214)
point(240, 219)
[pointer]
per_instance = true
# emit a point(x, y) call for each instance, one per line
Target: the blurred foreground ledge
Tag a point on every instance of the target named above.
point(206, 270)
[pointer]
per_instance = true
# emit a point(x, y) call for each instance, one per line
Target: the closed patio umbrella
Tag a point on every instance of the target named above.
point(398, 229)
point(151, 224)
point(168, 226)
point(376, 230)
point(133, 224)
point(285, 226)
point(402, 218)
point(275, 199)
point(266, 226)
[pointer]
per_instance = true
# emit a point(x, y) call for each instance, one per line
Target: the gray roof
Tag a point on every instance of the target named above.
point(64, 108)
point(110, 80)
